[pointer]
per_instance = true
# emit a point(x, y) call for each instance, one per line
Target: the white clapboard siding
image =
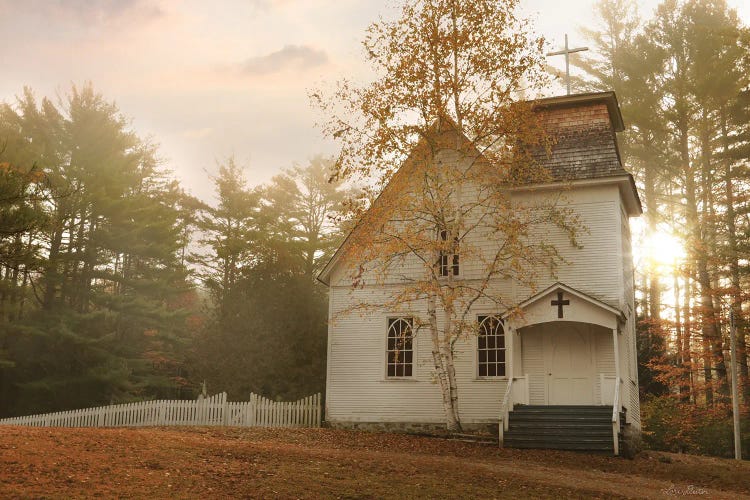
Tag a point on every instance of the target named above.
point(258, 412)
point(358, 389)
point(595, 267)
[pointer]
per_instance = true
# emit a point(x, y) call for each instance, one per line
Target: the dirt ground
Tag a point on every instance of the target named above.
point(322, 463)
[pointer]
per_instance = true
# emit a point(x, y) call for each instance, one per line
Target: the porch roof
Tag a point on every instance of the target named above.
point(584, 308)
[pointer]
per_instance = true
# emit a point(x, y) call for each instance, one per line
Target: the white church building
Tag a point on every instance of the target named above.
point(562, 373)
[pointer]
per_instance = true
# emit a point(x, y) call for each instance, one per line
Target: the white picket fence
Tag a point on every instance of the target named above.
point(216, 410)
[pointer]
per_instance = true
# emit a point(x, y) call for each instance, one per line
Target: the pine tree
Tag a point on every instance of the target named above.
point(108, 274)
point(301, 203)
point(684, 77)
point(267, 329)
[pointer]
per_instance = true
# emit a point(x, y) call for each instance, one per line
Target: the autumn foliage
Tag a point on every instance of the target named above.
point(442, 136)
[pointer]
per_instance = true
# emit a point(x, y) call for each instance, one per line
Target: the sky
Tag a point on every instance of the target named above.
point(210, 80)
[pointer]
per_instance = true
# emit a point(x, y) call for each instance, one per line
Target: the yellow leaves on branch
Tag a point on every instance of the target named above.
point(444, 134)
point(466, 60)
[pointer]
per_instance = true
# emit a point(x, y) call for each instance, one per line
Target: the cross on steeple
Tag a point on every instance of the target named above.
point(566, 52)
point(560, 303)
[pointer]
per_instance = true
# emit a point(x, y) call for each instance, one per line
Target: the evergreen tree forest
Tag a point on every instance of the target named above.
point(682, 77)
point(262, 250)
point(117, 286)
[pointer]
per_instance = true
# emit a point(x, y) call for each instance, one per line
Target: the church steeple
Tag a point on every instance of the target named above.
point(584, 141)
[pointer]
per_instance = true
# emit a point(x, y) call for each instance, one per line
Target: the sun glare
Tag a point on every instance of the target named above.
point(661, 250)
point(664, 249)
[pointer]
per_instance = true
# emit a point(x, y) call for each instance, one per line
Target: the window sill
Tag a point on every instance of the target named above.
point(491, 379)
point(399, 380)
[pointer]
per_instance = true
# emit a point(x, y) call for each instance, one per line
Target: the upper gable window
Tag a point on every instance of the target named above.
point(447, 262)
point(400, 350)
point(491, 347)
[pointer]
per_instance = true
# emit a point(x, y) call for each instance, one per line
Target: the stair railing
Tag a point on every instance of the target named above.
point(616, 418)
point(503, 424)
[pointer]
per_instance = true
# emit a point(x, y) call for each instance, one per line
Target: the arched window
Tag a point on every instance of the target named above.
point(400, 353)
point(491, 347)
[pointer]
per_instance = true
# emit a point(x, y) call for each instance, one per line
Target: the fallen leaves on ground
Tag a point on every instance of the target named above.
point(319, 463)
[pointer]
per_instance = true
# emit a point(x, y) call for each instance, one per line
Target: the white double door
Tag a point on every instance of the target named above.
point(565, 367)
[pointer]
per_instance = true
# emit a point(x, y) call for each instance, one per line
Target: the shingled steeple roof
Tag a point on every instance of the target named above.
point(583, 128)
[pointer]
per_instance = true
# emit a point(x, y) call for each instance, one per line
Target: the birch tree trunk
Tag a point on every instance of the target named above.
point(439, 364)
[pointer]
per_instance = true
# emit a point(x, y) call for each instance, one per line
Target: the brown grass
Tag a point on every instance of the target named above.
point(320, 463)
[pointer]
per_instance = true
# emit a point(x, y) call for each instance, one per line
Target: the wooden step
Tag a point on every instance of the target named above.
point(547, 445)
point(561, 418)
point(562, 439)
point(560, 424)
point(575, 410)
point(546, 431)
point(520, 407)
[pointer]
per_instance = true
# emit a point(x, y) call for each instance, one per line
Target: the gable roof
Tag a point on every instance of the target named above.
point(325, 273)
point(559, 286)
point(589, 155)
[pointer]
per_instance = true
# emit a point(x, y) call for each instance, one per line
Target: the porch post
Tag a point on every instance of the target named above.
point(615, 339)
point(510, 352)
point(507, 400)
point(617, 395)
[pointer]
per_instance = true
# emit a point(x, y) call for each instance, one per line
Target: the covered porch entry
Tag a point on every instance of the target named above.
point(564, 381)
point(567, 363)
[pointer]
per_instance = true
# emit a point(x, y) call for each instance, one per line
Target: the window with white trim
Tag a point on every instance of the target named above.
point(490, 347)
point(400, 349)
point(447, 262)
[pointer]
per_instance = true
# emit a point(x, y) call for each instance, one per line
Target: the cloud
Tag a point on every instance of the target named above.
point(83, 11)
point(295, 57)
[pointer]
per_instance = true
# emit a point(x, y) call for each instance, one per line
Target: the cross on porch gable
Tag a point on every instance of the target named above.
point(560, 303)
